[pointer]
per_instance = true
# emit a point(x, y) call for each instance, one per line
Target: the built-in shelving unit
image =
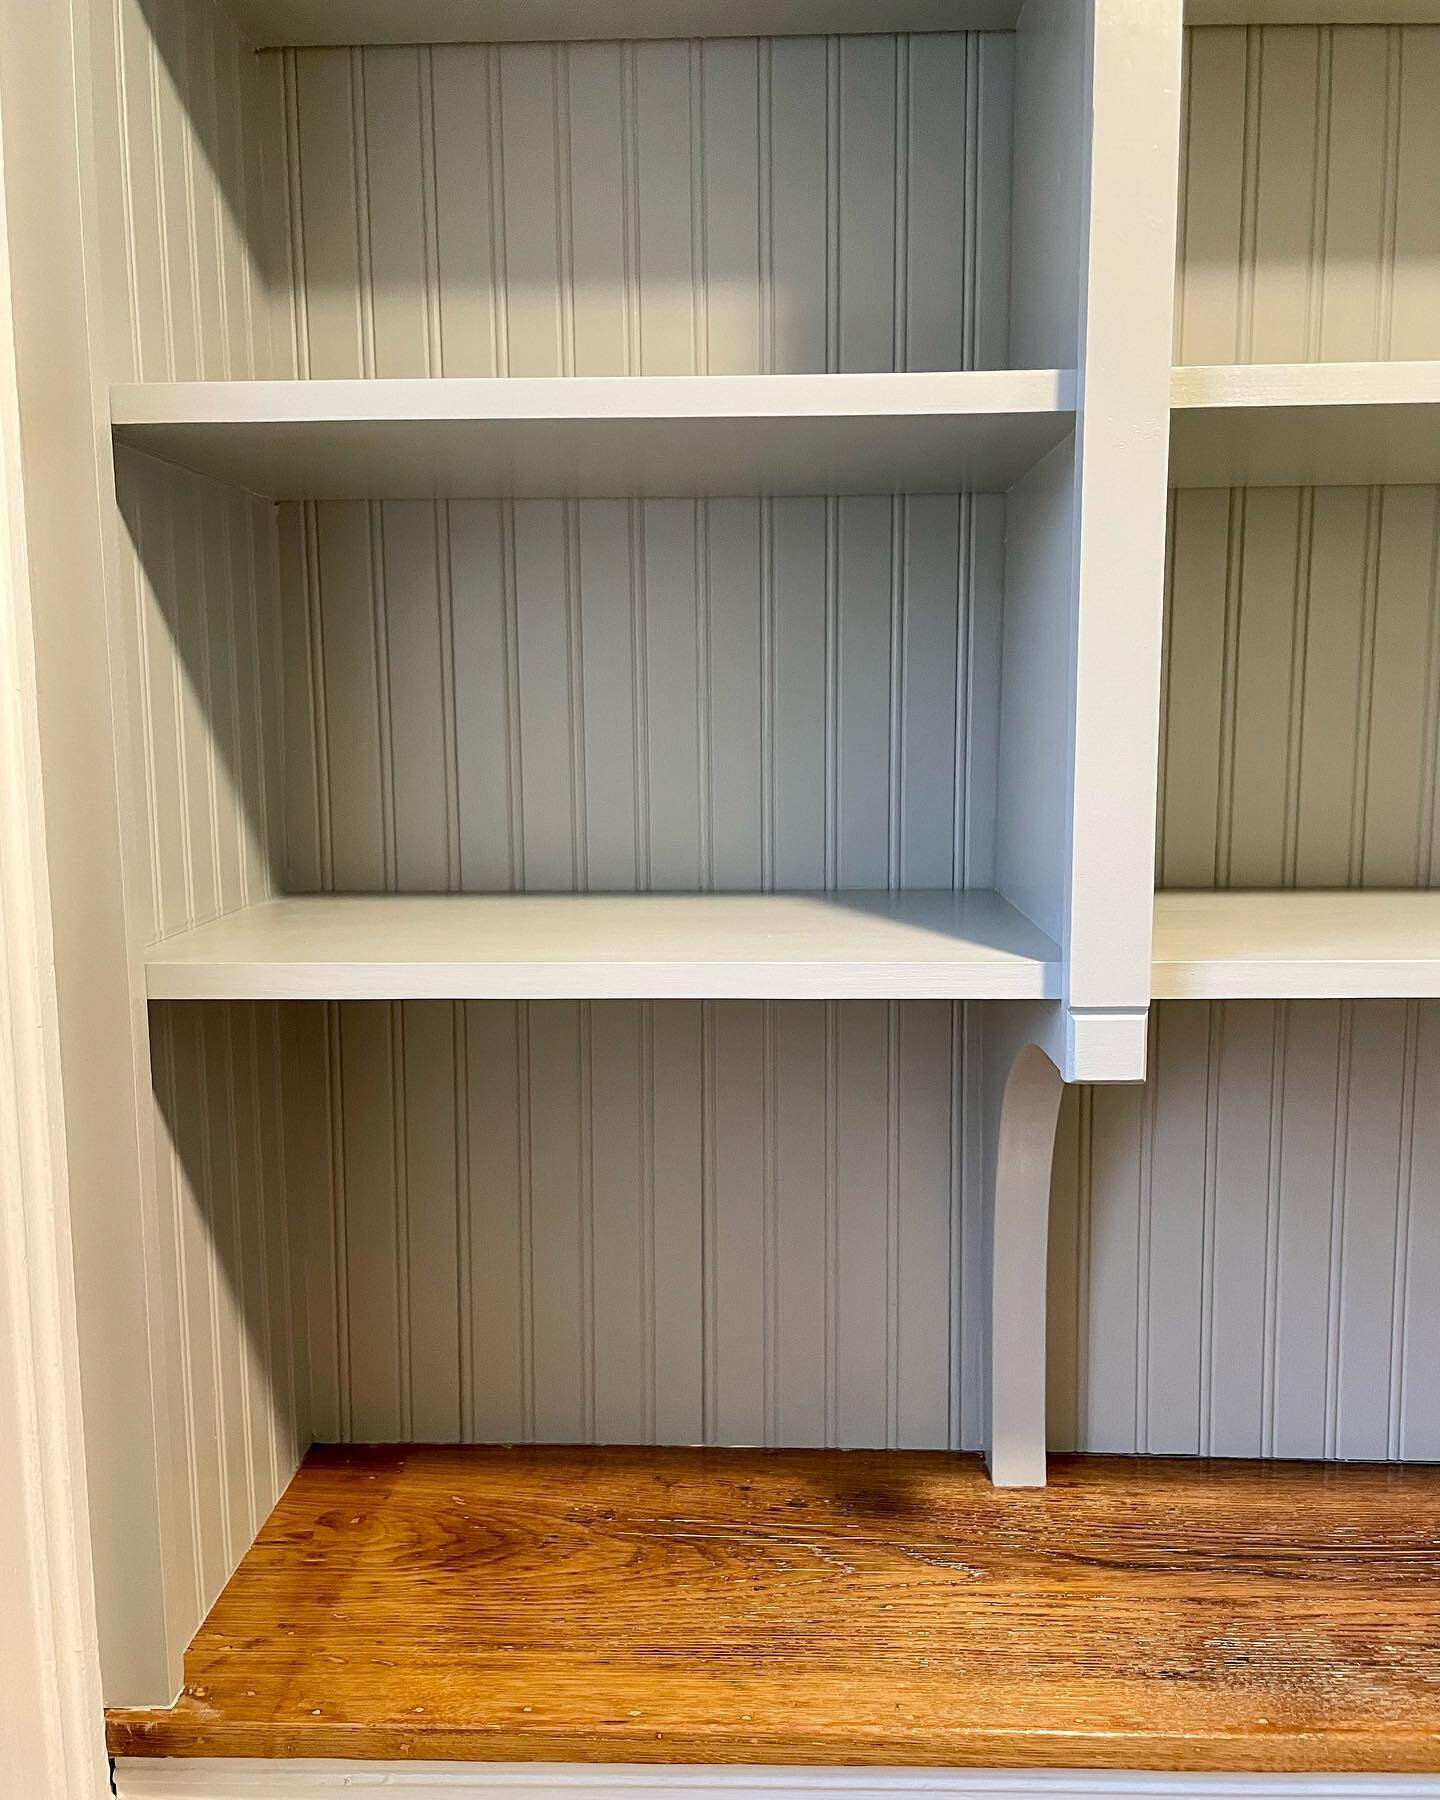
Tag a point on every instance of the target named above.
point(602, 782)
point(1306, 425)
point(599, 436)
point(842, 946)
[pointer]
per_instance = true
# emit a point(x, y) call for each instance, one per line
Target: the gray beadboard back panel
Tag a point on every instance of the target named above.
point(203, 643)
point(1301, 737)
point(730, 1223)
point(719, 207)
point(1246, 1251)
point(1310, 195)
point(198, 275)
point(227, 1295)
point(627, 696)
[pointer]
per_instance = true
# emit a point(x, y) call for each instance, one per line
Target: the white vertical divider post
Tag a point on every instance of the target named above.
point(1096, 194)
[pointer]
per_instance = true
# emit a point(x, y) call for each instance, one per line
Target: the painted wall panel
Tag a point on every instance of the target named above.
point(721, 207)
point(203, 293)
point(1300, 741)
point(228, 1301)
point(1310, 198)
point(609, 696)
point(1239, 1252)
point(723, 1223)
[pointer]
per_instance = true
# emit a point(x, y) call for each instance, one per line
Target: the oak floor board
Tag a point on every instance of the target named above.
point(778, 1607)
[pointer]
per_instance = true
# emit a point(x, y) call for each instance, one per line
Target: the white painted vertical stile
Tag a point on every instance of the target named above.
point(1121, 458)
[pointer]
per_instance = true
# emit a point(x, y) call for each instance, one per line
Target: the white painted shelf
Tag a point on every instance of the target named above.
point(605, 436)
point(272, 23)
point(1317, 945)
point(921, 945)
point(1312, 12)
point(1305, 424)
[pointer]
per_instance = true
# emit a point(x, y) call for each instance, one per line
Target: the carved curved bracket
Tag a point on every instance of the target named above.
point(1023, 1090)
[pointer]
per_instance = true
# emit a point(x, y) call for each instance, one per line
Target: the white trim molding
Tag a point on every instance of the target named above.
point(183, 1778)
point(49, 1660)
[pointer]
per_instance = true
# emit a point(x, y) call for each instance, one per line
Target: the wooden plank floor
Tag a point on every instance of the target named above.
point(814, 1608)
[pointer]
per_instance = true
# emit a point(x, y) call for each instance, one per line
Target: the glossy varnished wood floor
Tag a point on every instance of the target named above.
point(713, 1606)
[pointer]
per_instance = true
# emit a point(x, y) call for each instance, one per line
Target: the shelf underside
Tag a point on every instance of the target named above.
point(920, 945)
point(271, 24)
point(1261, 946)
point(798, 1607)
point(1303, 425)
point(605, 436)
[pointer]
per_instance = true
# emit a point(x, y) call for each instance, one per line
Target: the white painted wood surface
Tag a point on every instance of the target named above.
point(846, 945)
point(1306, 425)
point(1312, 12)
point(1021, 1091)
point(274, 23)
point(1325, 946)
point(53, 1734)
point(605, 436)
point(184, 1779)
point(1107, 636)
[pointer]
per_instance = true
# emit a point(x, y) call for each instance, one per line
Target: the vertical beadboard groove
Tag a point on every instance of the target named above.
point(1230, 671)
point(1288, 1353)
point(1319, 236)
point(1299, 640)
point(787, 813)
point(1427, 824)
point(445, 602)
point(464, 1231)
point(1385, 287)
point(1205, 1407)
point(1335, 1285)
point(337, 1197)
point(770, 1227)
point(525, 1205)
point(1258, 281)
point(434, 293)
point(1305, 748)
point(238, 1278)
point(1365, 683)
point(896, 740)
point(295, 219)
point(784, 311)
point(585, 1156)
point(575, 658)
point(958, 1265)
point(1274, 1186)
point(1145, 1176)
point(167, 1098)
point(400, 1178)
point(832, 1164)
point(649, 1270)
point(1404, 1202)
point(892, 1225)
point(709, 1309)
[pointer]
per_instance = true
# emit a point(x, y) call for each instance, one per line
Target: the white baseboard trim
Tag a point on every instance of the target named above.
point(178, 1778)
